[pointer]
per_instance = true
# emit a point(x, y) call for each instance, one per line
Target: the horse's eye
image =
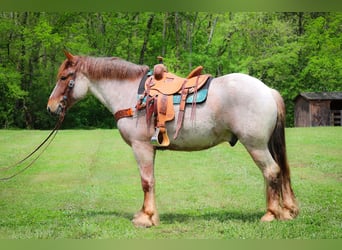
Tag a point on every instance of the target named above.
point(63, 78)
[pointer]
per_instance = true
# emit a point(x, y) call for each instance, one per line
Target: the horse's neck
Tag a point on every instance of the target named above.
point(115, 94)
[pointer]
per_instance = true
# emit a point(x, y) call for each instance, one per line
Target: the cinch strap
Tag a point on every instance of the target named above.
point(123, 113)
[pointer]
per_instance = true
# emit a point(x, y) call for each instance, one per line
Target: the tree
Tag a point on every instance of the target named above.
point(291, 52)
point(321, 47)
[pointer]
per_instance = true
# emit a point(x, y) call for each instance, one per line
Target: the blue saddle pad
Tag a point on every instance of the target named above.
point(201, 97)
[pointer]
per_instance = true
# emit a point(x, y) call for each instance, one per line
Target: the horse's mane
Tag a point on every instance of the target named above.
point(98, 68)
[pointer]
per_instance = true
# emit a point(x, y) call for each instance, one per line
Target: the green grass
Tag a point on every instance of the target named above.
point(87, 185)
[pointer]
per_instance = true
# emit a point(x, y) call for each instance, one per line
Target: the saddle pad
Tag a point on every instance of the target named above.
point(201, 97)
point(201, 94)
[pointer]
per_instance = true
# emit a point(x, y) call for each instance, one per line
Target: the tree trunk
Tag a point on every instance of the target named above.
point(148, 30)
point(300, 23)
point(177, 35)
point(212, 28)
point(164, 34)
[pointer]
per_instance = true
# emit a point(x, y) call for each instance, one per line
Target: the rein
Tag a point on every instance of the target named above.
point(52, 135)
point(48, 139)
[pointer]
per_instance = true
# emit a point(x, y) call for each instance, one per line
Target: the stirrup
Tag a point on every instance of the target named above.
point(160, 139)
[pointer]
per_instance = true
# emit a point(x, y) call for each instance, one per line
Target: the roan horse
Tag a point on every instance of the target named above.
point(238, 106)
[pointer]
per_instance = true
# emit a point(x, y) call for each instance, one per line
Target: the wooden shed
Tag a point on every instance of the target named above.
point(318, 109)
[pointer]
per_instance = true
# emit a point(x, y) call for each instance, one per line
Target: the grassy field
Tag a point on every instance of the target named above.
point(86, 185)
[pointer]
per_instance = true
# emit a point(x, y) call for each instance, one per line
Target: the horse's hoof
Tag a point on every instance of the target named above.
point(144, 220)
point(289, 214)
point(268, 217)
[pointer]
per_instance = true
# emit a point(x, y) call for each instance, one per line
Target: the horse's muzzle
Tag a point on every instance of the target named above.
point(55, 111)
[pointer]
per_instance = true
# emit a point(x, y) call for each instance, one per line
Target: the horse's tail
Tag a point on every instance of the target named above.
point(277, 148)
point(277, 144)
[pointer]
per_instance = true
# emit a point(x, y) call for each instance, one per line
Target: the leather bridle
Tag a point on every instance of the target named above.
point(66, 95)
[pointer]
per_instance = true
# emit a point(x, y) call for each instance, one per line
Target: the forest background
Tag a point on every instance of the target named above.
point(291, 52)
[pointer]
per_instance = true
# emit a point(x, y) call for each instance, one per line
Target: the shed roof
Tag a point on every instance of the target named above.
point(315, 96)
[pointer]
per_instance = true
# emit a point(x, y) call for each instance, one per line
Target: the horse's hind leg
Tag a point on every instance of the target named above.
point(148, 215)
point(290, 206)
point(273, 180)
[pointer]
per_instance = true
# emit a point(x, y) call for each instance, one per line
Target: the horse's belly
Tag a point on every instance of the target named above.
point(197, 135)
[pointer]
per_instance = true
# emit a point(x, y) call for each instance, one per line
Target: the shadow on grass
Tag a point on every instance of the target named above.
point(170, 218)
point(95, 213)
point(221, 216)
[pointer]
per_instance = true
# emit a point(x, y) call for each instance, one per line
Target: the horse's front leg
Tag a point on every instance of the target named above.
point(145, 155)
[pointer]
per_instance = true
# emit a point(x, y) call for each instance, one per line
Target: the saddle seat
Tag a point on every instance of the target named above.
point(160, 89)
point(169, 84)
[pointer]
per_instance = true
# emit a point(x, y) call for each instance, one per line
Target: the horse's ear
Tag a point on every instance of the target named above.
point(68, 55)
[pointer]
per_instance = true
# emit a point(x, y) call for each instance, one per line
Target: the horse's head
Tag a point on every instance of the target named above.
point(71, 86)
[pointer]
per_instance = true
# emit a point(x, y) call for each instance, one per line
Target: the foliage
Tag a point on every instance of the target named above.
point(11, 94)
point(292, 52)
point(86, 186)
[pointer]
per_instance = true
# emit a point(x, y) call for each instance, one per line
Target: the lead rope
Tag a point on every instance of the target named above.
point(52, 135)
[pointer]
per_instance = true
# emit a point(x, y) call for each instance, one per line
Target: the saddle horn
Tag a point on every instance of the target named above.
point(160, 59)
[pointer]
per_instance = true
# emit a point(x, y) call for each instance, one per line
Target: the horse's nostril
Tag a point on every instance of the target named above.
point(59, 109)
point(48, 110)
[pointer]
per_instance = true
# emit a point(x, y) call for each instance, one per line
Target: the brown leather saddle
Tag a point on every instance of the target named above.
point(159, 91)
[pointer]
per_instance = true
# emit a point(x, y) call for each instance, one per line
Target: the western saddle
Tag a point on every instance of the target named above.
point(157, 98)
